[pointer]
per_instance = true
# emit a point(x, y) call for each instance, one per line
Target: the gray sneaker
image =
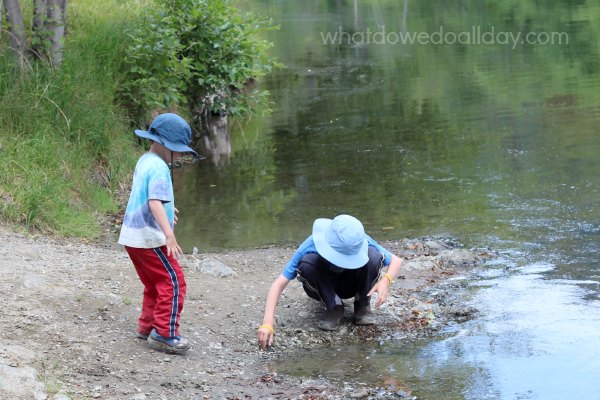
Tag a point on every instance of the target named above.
point(176, 345)
point(331, 319)
point(363, 314)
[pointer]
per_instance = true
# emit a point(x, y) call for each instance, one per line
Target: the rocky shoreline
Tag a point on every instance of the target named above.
point(71, 308)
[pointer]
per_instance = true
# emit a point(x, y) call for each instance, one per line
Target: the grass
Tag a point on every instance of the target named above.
point(65, 145)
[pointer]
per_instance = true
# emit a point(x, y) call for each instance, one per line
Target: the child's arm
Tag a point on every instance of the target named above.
point(160, 215)
point(266, 332)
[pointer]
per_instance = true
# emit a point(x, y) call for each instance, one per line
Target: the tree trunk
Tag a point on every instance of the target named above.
point(37, 28)
point(56, 30)
point(63, 7)
point(16, 29)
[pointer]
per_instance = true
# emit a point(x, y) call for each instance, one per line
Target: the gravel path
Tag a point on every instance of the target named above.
point(69, 317)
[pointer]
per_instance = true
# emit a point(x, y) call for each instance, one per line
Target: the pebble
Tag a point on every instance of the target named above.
point(359, 394)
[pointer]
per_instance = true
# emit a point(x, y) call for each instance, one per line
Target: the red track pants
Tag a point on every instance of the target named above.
point(164, 290)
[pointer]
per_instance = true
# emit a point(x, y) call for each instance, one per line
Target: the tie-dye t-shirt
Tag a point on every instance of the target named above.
point(151, 181)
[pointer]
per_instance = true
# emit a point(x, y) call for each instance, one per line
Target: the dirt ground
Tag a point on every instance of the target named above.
point(69, 318)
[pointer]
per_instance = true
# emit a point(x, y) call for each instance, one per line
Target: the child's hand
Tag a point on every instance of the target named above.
point(382, 290)
point(266, 334)
point(173, 247)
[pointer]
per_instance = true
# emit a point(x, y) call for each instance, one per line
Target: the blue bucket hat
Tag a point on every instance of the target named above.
point(171, 131)
point(341, 241)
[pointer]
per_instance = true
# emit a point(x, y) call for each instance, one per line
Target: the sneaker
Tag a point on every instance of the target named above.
point(176, 345)
point(363, 314)
point(142, 336)
point(331, 319)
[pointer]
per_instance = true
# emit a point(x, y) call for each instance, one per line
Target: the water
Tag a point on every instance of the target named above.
point(535, 338)
point(489, 144)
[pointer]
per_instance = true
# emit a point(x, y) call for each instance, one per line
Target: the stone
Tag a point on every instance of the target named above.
point(22, 382)
point(359, 394)
point(212, 266)
point(418, 265)
point(458, 257)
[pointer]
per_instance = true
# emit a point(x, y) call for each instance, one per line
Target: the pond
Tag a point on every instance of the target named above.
point(484, 129)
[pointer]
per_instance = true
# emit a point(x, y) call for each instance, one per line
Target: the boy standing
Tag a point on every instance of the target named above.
point(147, 234)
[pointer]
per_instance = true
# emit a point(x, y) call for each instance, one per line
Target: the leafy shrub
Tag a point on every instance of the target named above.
point(199, 53)
point(156, 76)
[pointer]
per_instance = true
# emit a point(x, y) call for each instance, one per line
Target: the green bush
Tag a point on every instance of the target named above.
point(199, 53)
point(155, 77)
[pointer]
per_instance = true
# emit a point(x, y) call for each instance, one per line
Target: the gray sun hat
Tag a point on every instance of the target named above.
point(171, 131)
point(341, 241)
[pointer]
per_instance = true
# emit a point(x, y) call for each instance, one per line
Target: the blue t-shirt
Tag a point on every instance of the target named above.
point(151, 181)
point(308, 246)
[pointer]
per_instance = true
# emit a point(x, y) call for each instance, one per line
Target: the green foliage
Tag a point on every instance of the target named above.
point(199, 53)
point(155, 74)
point(40, 42)
point(63, 149)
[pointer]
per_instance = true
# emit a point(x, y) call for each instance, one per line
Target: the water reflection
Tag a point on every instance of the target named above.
point(211, 138)
point(530, 349)
point(493, 145)
point(535, 339)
